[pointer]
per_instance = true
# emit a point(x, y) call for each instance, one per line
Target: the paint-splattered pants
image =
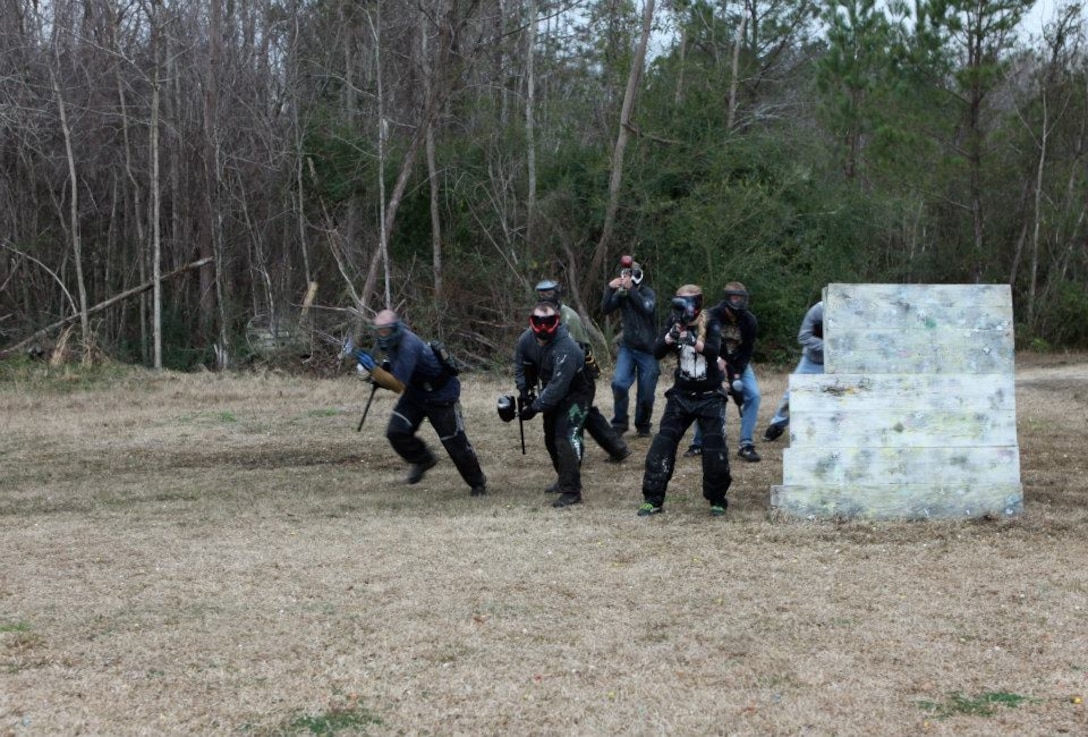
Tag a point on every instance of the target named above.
point(681, 410)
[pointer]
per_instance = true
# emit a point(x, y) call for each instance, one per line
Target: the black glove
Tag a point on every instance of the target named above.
point(525, 397)
point(527, 413)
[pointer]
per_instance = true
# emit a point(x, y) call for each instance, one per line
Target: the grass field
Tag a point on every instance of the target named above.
point(224, 554)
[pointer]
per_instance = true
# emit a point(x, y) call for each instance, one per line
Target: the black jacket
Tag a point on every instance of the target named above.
point(638, 310)
point(558, 366)
point(697, 373)
point(739, 328)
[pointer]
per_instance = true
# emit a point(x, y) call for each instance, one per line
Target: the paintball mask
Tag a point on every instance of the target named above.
point(687, 307)
point(634, 271)
point(549, 291)
point(506, 408)
point(388, 335)
point(544, 327)
point(736, 296)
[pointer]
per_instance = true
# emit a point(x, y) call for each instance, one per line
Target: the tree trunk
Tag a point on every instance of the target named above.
point(73, 209)
point(530, 131)
point(630, 96)
point(156, 207)
point(734, 81)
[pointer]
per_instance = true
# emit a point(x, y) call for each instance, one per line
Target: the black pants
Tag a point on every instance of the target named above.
point(447, 421)
point(563, 438)
point(681, 409)
point(601, 430)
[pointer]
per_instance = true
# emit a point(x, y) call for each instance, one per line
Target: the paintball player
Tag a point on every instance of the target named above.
point(811, 338)
point(427, 389)
point(597, 426)
point(637, 305)
point(694, 337)
point(739, 327)
point(546, 354)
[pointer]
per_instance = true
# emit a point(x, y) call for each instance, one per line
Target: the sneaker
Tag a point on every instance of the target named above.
point(567, 499)
point(415, 473)
point(748, 453)
point(480, 490)
point(647, 509)
point(693, 450)
point(774, 432)
point(717, 510)
point(552, 488)
point(620, 457)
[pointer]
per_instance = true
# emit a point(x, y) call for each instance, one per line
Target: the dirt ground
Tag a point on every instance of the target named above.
point(225, 554)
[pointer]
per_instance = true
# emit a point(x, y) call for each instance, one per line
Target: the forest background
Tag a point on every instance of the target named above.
point(187, 184)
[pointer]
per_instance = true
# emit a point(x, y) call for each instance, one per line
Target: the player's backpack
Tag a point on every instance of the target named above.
point(445, 359)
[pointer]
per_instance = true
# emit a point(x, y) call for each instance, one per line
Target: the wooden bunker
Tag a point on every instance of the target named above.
point(915, 415)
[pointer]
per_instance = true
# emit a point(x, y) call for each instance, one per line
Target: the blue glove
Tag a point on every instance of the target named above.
point(365, 360)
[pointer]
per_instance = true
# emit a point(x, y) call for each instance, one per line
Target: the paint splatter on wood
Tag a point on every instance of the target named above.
point(915, 417)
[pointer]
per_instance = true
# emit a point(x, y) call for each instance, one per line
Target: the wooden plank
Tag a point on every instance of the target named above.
point(906, 352)
point(892, 502)
point(915, 417)
point(929, 307)
point(900, 466)
point(903, 428)
point(897, 393)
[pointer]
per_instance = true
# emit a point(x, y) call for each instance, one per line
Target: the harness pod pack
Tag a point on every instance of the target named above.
point(445, 360)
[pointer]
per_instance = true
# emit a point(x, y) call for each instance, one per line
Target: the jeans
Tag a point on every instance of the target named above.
point(782, 414)
point(749, 409)
point(629, 363)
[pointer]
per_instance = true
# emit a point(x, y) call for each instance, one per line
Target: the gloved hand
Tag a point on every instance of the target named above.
point(525, 398)
point(365, 360)
point(527, 412)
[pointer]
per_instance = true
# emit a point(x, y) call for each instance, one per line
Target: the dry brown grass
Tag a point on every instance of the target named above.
point(199, 554)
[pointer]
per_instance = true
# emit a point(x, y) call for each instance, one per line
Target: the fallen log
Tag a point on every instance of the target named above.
point(7, 352)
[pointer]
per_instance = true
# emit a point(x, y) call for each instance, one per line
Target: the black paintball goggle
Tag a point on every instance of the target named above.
point(687, 307)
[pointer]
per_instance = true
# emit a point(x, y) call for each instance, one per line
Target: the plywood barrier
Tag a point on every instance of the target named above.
point(915, 416)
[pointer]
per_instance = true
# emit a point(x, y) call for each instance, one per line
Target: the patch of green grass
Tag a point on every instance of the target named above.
point(14, 627)
point(347, 719)
point(981, 705)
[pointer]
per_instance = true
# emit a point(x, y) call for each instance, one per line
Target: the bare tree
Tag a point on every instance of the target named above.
point(74, 232)
point(630, 97)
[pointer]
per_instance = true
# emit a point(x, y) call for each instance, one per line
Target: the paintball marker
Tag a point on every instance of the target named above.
point(379, 373)
point(373, 389)
point(510, 407)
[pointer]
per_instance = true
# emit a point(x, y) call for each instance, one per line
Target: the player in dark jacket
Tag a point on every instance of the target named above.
point(739, 328)
point(637, 305)
point(547, 356)
point(694, 337)
point(597, 425)
point(429, 391)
